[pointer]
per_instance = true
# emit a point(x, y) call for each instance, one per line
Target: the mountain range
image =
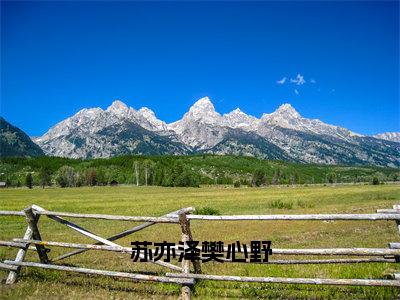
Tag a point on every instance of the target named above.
point(283, 134)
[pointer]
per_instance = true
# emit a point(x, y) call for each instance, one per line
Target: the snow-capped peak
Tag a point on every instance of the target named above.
point(287, 110)
point(89, 111)
point(150, 116)
point(282, 115)
point(118, 107)
point(287, 117)
point(147, 112)
point(203, 104)
point(203, 110)
point(236, 111)
point(238, 119)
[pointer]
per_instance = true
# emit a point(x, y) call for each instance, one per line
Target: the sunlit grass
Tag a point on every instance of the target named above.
point(156, 201)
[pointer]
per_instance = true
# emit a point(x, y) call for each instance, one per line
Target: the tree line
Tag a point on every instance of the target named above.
point(180, 171)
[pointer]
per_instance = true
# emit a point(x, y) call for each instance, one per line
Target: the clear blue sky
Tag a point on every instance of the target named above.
point(57, 58)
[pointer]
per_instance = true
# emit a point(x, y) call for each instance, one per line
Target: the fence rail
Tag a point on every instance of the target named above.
point(32, 240)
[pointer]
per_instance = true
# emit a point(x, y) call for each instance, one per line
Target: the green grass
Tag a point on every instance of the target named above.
point(156, 201)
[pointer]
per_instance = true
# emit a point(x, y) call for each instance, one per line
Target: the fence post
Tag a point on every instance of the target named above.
point(186, 236)
point(12, 276)
point(33, 219)
point(396, 257)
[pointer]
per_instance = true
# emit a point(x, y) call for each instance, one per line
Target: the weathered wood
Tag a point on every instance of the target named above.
point(111, 217)
point(126, 233)
point(13, 244)
point(394, 245)
point(338, 251)
point(323, 281)
point(76, 245)
point(18, 245)
point(100, 239)
point(21, 242)
point(138, 277)
point(184, 221)
point(107, 242)
point(12, 213)
point(391, 215)
point(185, 227)
point(334, 251)
point(398, 226)
point(320, 217)
point(322, 261)
point(33, 219)
point(388, 211)
point(4, 266)
point(186, 236)
point(329, 251)
point(97, 247)
point(12, 276)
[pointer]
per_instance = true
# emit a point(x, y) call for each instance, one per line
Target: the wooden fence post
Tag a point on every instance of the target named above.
point(396, 257)
point(12, 276)
point(124, 233)
point(186, 236)
point(33, 219)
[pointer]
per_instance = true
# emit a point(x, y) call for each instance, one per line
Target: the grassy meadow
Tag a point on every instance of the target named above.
point(156, 201)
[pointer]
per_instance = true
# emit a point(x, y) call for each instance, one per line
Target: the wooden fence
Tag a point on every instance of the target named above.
point(181, 275)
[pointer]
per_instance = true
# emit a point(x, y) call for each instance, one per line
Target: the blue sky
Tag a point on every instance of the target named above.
point(57, 58)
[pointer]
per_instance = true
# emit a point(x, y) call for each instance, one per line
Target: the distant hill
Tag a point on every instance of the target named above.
point(15, 142)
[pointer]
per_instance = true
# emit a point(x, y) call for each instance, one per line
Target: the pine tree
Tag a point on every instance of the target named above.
point(29, 180)
point(44, 177)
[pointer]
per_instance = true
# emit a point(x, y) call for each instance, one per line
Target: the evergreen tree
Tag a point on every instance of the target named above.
point(29, 180)
point(331, 177)
point(375, 180)
point(45, 178)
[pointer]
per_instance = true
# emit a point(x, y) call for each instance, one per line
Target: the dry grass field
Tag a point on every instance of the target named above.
point(156, 201)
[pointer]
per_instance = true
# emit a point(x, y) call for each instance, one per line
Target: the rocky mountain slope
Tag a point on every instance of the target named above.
point(14, 142)
point(283, 134)
point(389, 136)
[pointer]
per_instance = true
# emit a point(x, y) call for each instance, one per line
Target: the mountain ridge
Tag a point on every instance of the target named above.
point(15, 142)
point(203, 129)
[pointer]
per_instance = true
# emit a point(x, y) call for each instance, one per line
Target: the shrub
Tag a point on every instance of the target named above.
point(207, 210)
point(187, 179)
point(236, 184)
point(259, 178)
point(280, 204)
point(65, 176)
point(375, 180)
point(303, 204)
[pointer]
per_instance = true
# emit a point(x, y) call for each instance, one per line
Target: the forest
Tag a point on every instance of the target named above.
point(178, 171)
